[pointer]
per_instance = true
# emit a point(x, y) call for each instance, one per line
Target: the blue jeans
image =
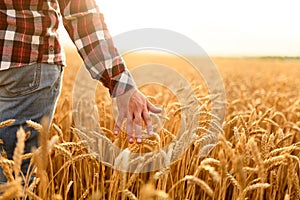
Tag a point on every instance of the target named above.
point(26, 93)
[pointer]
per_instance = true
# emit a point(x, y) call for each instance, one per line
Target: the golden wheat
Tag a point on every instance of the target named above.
point(253, 155)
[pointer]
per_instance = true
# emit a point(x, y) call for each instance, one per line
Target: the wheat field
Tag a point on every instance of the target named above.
point(256, 155)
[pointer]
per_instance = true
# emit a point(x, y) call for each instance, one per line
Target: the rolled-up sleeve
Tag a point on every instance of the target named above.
point(87, 29)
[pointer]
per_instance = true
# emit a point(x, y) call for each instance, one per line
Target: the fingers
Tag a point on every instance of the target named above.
point(148, 122)
point(138, 133)
point(135, 121)
point(118, 124)
point(153, 108)
point(135, 108)
point(138, 127)
point(129, 128)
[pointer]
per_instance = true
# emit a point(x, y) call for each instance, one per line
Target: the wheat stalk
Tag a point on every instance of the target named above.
point(17, 157)
point(6, 123)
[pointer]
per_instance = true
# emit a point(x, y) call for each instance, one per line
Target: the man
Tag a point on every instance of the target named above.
point(32, 59)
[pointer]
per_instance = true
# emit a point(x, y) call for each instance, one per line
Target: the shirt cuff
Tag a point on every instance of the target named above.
point(122, 83)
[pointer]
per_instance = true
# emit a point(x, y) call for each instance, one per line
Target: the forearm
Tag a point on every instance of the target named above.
point(86, 27)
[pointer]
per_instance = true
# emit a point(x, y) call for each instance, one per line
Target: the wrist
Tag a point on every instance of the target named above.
point(123, 83)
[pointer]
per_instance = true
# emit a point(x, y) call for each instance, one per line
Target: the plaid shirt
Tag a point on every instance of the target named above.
point(28, 34)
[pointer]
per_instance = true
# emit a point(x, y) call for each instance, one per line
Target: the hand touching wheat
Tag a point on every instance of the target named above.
point(134, 106)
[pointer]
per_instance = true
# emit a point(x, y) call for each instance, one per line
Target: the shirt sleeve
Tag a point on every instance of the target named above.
point(87, 29)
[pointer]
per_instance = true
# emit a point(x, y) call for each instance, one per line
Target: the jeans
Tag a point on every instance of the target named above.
point(27, 93)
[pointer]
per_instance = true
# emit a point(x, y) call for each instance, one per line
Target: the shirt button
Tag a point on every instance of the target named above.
point(51, 48)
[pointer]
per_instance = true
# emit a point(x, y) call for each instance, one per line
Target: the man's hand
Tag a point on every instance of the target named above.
point(134, 106)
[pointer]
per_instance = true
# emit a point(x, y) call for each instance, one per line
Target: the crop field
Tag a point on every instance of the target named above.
point(256, 154)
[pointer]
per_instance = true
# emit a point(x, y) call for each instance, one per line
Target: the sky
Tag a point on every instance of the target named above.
point(224, 28)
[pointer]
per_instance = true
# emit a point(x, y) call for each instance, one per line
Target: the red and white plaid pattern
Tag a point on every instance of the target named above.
point(28, 35)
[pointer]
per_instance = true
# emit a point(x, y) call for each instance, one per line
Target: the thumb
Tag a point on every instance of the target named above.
point(153, 108)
